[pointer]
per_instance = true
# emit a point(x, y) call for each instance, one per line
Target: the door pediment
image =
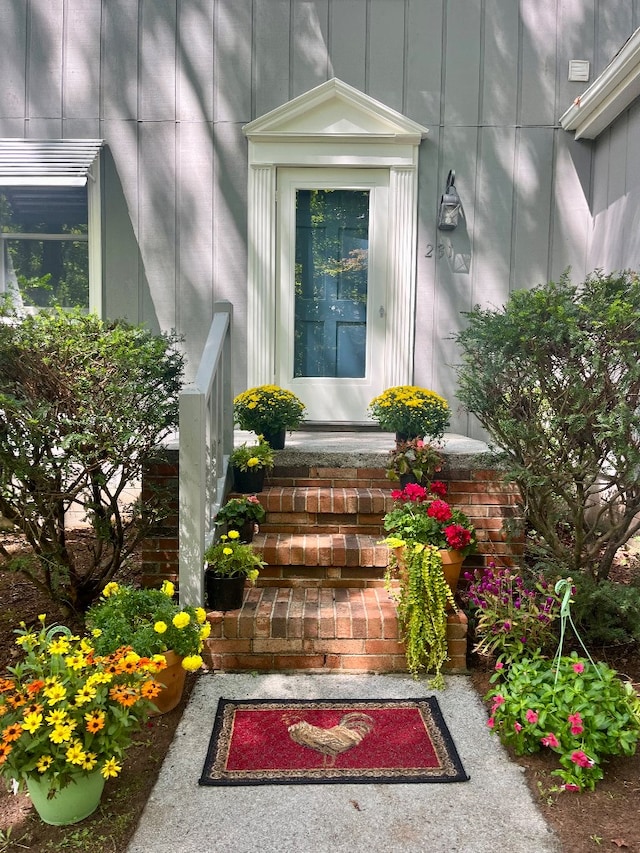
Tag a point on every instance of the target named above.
point(335, 110)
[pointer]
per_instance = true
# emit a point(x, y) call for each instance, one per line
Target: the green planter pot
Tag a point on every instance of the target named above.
point(75, 802)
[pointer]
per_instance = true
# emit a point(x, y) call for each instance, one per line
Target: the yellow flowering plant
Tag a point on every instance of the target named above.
point(268, 408)
point(67, 711)
point(149, 621)
point(411, 411)
point(253, 457)
point(229, 557)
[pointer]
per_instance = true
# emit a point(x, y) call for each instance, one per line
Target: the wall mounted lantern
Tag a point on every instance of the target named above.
point(450, 205)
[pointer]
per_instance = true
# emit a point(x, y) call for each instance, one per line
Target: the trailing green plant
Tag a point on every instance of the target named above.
point(253, 457)
point(268, 408)
point(420, 514)
point(148, 621)
point(229, 557)
point(513, 617)
point(84, 405)
point(554, 377)
point(412, 411)
point(421, 601)
point(414, 457)
point(579, 709)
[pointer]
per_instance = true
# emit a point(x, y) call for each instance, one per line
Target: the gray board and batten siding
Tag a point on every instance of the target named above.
point(168, 85)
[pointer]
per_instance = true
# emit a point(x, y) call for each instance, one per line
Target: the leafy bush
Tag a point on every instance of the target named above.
point(83, 405)
point(580, 710)
point(607, 613)
point(554, 377)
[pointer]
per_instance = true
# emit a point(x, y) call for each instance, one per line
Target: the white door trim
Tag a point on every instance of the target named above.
point(333, 125)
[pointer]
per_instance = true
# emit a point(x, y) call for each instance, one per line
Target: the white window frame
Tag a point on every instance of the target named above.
point(333, 126)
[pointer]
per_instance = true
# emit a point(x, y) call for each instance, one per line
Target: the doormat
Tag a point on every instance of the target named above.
point(273, 742)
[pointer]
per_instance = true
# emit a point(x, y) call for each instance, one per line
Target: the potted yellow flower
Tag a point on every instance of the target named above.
point(151, 623)
point(67, 715)
point(270, 411)
point(411, 412)
point(229, 563)
point(249, 463)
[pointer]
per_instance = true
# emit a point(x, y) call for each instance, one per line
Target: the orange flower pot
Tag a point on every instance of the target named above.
point(173, 678)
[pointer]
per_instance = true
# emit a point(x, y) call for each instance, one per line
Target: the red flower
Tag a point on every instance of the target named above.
point(414, 492)
point(440, 510)
point(578, 757)
point(457, 536)
point(438, 488)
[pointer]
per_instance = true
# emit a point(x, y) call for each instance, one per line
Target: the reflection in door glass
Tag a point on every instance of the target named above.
point(331, 270)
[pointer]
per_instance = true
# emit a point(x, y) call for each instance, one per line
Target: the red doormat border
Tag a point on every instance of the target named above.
point(289, 742)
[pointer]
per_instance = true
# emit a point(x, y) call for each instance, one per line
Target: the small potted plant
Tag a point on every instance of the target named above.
point(241, 514)
point(428, 540)
point(68, 714)
point(151, 623)
point(229, 563)
point(411, 412)
point(270, 411)
point(249, 463)
point(413, 461)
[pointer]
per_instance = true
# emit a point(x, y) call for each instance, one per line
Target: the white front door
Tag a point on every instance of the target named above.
point(331, 296)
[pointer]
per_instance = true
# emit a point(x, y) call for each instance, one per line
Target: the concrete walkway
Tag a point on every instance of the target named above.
point(492, 812)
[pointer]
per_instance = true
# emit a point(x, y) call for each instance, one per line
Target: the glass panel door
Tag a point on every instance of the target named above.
point(331, 274)
point(332, 271)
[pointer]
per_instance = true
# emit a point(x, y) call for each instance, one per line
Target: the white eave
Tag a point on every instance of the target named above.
point(609, 95)
point(47, 162)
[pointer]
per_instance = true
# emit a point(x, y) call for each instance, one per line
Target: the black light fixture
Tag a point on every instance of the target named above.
point(450, 205)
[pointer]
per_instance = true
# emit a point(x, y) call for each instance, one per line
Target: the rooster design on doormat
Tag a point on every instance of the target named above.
point(331, 742)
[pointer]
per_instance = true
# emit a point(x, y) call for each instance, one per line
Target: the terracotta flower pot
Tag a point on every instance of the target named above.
point(173, 678)
point(451, 565)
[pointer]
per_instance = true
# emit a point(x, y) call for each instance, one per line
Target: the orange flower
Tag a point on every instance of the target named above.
point(33, 708)
point(16, 701)
point(12, 732)
point(6, 684)
point(125, 696)
point(35, 687)
point(95, 721)
point(150, 689)
point(5, 749)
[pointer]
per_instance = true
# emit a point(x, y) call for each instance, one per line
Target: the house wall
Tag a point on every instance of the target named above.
point(615, 241)
point(168, 85)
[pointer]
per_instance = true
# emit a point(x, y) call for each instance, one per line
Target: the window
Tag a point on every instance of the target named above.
point(50, 223)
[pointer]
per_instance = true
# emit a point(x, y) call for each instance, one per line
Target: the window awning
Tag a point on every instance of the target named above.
point(47, 162)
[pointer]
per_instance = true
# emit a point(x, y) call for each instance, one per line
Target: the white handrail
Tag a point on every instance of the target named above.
point(206, 442)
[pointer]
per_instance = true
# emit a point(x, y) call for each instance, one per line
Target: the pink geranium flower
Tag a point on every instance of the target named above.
point(438, 488)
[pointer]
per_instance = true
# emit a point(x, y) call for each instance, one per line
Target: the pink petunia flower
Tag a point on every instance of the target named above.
point(499, 665)
point(531, 716)
point(550, 740)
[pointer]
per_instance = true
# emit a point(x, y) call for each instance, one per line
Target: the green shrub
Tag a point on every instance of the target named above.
point(554, 377)
point(606, 613)
point(83, 405)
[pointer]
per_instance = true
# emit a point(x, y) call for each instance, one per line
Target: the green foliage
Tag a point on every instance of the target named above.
point(411, 410)
point(237, 511)
point(268, 408)
point(421, 601)
point(512, 615)
point(580, 710)
point(149, 621)
point(415, 457)
point(83, 405)
point(606, 613)
point(253, 457)
point(554, 376)
point(229, 557)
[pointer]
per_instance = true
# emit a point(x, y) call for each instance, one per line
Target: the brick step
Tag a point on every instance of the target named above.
point(318, 629)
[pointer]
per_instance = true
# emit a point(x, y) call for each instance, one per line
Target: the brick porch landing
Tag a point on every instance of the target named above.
point(310, 629)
